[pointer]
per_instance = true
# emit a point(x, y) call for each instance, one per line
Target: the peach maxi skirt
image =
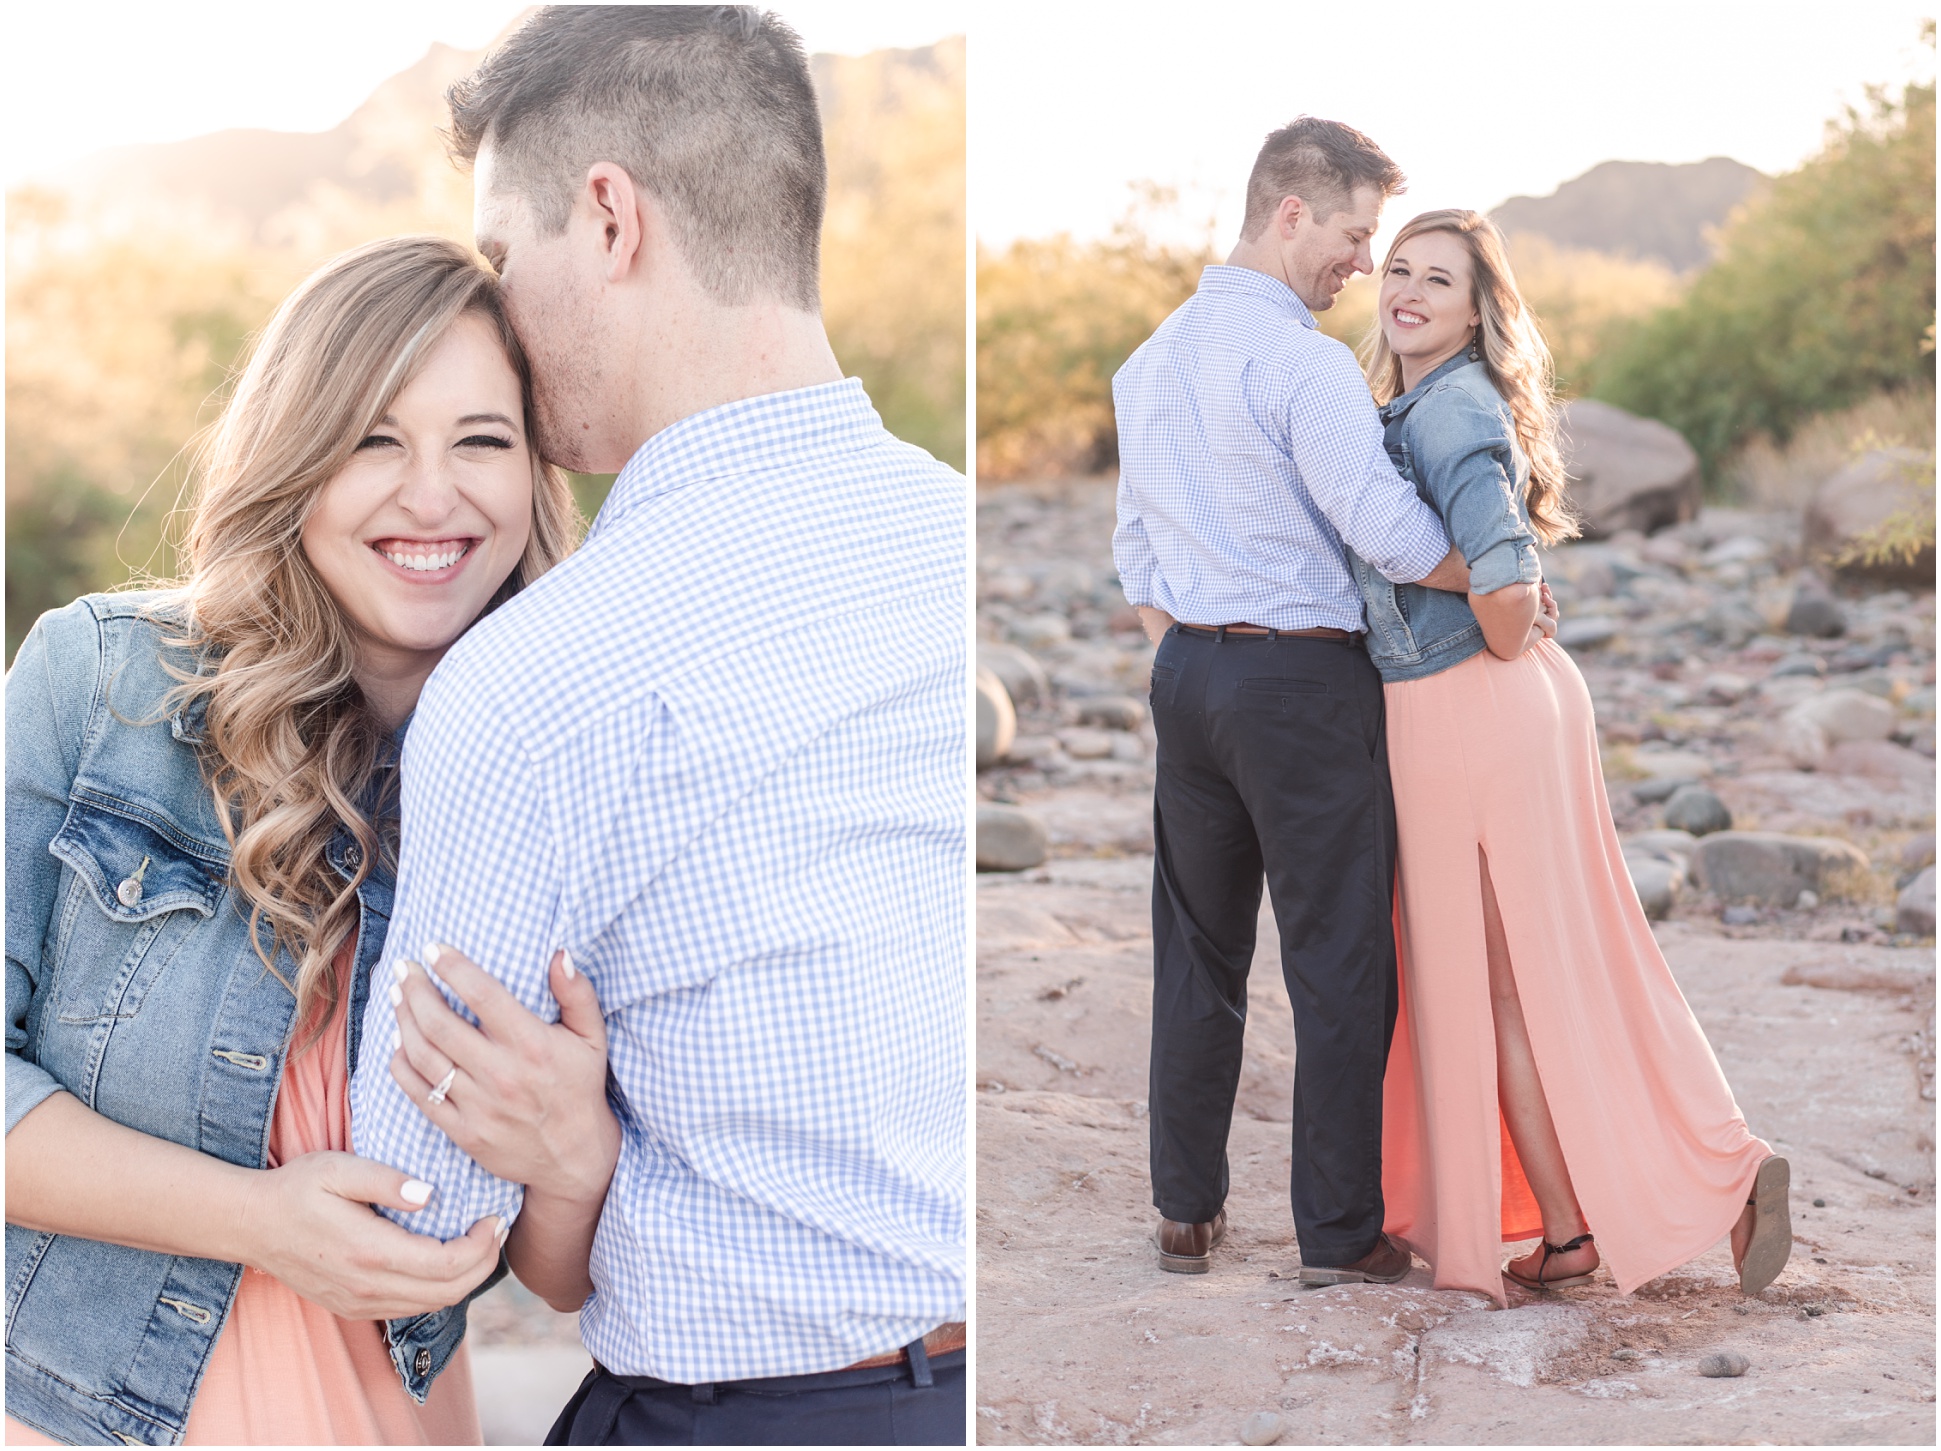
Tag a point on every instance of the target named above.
point(1502, 754)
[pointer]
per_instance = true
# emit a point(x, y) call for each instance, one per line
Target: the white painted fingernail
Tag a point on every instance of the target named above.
point(415, 1191)
point(397, 995)
point(401, 969)
point(432, 953)
point(499, 1234)
point(567, 958)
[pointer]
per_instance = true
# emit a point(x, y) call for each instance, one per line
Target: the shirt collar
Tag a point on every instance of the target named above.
point(1224, 277)
point(1396, 407)
point(745, 436)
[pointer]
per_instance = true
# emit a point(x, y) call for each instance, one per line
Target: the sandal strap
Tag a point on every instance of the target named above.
point(1564, 1249)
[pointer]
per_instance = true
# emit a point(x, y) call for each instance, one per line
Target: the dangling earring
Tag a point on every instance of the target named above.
point(1475, 353)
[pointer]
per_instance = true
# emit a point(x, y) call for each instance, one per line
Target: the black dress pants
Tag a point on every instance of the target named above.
point(1272, 762)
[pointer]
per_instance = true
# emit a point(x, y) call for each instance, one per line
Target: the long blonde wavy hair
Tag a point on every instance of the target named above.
point(290, 749)
point(1514, 353)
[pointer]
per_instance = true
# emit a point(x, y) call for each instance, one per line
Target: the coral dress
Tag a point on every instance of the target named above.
point(1503, 754)
point(287, 1372)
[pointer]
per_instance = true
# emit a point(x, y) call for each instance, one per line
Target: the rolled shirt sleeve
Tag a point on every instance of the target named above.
point(1346, 469)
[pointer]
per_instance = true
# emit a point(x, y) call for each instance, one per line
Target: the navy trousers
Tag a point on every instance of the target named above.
point(921, 1403)
point(1272, 764)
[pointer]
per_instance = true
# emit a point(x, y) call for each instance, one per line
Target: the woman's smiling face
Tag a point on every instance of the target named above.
point(415, 534)
point(1427, 306)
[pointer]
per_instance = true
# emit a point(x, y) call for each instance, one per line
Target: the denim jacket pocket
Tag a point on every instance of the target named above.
point(138, 891)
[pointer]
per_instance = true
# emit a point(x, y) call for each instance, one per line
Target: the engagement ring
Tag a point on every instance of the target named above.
point(442, 1087)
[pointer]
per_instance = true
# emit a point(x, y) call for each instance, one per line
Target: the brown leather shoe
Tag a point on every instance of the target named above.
point(1386, 1263)
point(1187, 1249)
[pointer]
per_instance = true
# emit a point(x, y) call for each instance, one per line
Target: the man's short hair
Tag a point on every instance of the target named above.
point(708, 107)
point(1321, 162)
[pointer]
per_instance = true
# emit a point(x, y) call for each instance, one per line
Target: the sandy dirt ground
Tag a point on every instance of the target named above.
point(1822, 1020)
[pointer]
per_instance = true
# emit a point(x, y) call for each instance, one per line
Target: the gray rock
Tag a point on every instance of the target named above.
point(997, 722)
point(1675, 846)
point(1739, 916)
point(1009, 839)
point(1732, 623)
point(1739, 549)
point(1799, 663)
point(1659, 884)
point(1917, 851)
point(1586, 633)
point(1771, 869)
point(1114, 712)
point(1262, 1428)
point(1022, 675)
point(1848, 715)
point(1626, 472)
point(1724, 1364)
point(1038, 631)
point(1914, 908)
point(1816, 614)
point(1658, 788)
point(1807, 901)
point(1082, 743)
point(1697, 810)
point(1859, 499)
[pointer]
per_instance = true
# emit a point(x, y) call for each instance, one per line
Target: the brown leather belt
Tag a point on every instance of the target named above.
point(1319, 632)
point(945, 1338)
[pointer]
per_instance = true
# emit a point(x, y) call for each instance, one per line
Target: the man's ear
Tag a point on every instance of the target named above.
point(618, 208)
point(1288, 218)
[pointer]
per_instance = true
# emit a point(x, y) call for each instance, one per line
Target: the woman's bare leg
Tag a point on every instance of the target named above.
point(1520, 1092)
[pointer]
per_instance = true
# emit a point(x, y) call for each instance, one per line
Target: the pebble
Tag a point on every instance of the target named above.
point(1819, 1204)
point(1807, 901)
point(1658, 884)
point(1082, 743)
point(1586, 633)
point(1697, 810)
point(1724, 1364)
point(1625, 1352)
point(1815, 614)
point(1914, 908)
point(1024, 678)
point(1798, 664)
point(1263, 1428)
point(1662, 788)
point(1739, 916)
point(997, 722)
point(1114, 712)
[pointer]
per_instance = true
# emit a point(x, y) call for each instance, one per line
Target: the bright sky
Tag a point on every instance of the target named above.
point(80, 77)
point(1476, 101)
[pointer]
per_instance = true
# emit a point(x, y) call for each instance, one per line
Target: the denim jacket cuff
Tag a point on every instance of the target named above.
point(1514, 561)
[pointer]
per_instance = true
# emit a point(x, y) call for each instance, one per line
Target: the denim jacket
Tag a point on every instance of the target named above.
point(1452, 436)
point(136, 989)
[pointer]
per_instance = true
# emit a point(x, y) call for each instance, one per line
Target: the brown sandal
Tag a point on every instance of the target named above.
point(1771, 1244)
point(1549, 1249)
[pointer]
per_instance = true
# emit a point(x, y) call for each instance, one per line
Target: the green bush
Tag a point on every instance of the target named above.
point(1822, 295)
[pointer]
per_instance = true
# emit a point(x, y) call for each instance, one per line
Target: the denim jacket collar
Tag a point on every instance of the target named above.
point(1396, 407)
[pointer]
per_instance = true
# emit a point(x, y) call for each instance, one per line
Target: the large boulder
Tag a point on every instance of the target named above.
point(1009, 839)
point(1860, 498)
point(1773, 869)
point(1626, 472)
point(997, 722)
point(1811, 728)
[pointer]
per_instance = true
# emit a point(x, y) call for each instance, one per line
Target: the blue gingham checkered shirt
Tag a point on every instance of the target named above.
point(1249, 450)
point(720, 755)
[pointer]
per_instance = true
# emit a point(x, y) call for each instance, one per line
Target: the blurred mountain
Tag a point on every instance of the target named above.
point(1648, 210)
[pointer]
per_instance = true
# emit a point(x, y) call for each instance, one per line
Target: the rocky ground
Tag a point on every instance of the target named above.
point(527, 1361)
point(1786, 725)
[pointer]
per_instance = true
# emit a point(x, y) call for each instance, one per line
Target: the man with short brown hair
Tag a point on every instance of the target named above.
point(718, 755)
point(1250, 459)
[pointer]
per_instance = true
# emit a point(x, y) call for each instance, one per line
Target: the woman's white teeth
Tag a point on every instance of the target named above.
point(426, 562)
point(1409, 317)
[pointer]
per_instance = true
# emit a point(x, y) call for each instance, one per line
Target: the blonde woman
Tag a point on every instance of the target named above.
point(201, 832)
point(1546, 1078)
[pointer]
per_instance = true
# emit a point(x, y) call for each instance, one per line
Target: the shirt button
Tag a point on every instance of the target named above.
point(422, 1365)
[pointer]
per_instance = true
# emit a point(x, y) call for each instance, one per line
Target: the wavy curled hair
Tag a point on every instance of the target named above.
point(291, 750)
point(1514, 353)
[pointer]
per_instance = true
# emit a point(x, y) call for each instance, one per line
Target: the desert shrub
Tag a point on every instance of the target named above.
point(1822, 295)
point(1055, 319)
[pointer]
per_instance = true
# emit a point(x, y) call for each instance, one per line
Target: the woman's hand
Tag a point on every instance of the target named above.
point(309, 1223)
point(527, 1098)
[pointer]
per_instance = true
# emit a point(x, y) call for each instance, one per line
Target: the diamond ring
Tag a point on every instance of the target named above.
point(442, 1087)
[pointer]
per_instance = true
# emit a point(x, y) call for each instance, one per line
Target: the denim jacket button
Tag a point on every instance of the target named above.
point(352, 856)
point(129, 892)
point(422, 1365)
